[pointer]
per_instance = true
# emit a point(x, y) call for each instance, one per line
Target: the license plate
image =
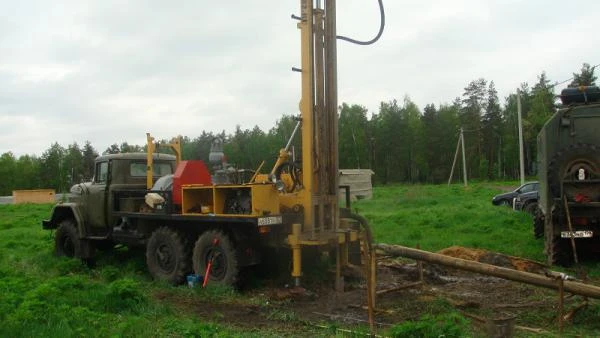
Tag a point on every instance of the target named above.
point(577, 234)
point(270, 220)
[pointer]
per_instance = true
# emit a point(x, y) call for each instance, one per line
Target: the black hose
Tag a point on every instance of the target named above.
point(371, 264)
point(365, 224)
point(293, 171)
point(372, 41)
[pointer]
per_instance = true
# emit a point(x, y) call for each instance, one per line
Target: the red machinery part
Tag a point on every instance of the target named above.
point(189, 172)
point(207, 273)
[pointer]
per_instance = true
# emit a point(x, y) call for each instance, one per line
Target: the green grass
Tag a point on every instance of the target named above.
point(451, 324)
point(438, 216)
point(42, 295)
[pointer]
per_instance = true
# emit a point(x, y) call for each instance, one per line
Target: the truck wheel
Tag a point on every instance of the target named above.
point(167, 256)
point(216, 247)
point(561, 254)
point(538, 224)
point(66, 240)
point(530, 208)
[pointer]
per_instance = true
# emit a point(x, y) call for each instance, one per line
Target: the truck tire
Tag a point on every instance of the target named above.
point(562, 253)
point(168, 256)
point(538, 224)
point(530, 208)
point(567, 159)
point(66, 239)
point(216, 247)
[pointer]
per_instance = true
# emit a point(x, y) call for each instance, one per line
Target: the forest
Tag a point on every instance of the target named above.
point(401, 143)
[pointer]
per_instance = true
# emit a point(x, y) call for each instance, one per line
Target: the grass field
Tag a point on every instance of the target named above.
point(42, 295)
point(46, 296)
point(438, 216)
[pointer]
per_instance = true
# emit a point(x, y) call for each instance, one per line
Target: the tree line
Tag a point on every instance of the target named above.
point(400, 142)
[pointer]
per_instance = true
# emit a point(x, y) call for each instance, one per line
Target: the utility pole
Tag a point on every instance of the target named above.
point(521, 155)
point(500, 158)
point(454, 162)
point(462, 142)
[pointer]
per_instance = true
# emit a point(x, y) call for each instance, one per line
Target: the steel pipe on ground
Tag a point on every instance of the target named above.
point(491, 270)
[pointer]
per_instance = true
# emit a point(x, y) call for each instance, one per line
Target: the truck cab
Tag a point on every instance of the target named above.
point(91, 205)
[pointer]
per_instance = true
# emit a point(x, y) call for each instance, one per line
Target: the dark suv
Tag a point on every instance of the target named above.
point(507, 198)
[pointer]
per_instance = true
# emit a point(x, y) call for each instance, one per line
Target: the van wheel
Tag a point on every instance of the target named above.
point(66, 240)
point(215, 247)
point(167, 256)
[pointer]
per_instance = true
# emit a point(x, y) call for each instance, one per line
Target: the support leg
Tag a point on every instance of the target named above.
point(293, 240)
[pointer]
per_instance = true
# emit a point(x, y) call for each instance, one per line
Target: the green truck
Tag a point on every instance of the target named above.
point(113, 209)
point(569, 176)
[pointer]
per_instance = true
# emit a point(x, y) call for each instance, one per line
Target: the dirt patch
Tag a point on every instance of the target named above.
point(494, 258)
point(286, 311)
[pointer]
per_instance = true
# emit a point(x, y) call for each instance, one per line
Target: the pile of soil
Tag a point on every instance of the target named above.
point(494, 258)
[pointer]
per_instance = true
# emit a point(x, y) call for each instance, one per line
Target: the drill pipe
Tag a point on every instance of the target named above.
point(577, 288)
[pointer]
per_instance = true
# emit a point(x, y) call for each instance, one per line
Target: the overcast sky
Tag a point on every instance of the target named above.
point(110, 71)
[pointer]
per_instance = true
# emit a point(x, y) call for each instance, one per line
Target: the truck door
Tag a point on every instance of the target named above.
point(96, 201)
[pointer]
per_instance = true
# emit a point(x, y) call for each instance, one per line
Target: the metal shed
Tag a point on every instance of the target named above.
point(359, 181)
point(33, 196)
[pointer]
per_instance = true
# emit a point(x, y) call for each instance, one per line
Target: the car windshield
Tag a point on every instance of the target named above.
point(528, 188)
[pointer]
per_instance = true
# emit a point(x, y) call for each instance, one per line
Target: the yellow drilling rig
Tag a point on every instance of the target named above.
point(188, 222)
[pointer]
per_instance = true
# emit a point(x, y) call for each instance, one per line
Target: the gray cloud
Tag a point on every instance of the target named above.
point(110, 71)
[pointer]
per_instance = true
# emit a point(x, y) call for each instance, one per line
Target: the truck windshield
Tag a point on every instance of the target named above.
point(138, 169)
